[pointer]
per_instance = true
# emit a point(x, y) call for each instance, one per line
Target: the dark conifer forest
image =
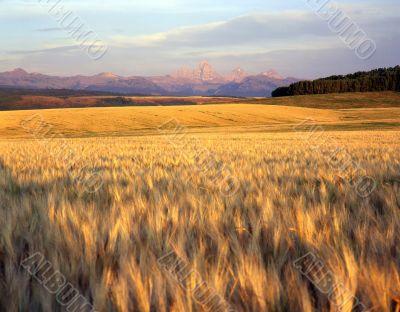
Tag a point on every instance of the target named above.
point(382, 79)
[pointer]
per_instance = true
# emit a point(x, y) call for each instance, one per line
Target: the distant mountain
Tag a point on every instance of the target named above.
point(237, 75)
point(259, 86)
point(204, 72)
point(273, 74)
point(203, 80)
point(106, 82)
point(131, 85)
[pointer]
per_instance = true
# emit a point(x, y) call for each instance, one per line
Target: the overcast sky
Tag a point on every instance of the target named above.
point(154, 37)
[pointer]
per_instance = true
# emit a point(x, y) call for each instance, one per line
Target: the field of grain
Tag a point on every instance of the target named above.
point(231, 118)
point(238, 208)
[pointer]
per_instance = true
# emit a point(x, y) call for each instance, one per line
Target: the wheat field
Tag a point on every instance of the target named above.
point(212, 118)
point(162, 193)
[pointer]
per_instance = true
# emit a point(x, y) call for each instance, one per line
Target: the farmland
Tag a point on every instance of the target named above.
point(229, 117)
point(239, 192)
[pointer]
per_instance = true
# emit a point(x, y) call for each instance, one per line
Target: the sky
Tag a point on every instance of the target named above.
point(155, 37)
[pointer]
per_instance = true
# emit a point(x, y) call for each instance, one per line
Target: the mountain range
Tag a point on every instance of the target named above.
point(202, 80)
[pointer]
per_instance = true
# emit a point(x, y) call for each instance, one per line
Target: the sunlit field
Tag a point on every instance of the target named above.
point(240, 221)
point(234, 117)
point(200, 156)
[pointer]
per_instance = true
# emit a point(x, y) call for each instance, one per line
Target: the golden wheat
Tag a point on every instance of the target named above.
point(290, 202)
point(239, 117)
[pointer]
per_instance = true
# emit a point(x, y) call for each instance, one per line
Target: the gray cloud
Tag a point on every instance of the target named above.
point(314, 63)
point(260, 30)
point(295, 43)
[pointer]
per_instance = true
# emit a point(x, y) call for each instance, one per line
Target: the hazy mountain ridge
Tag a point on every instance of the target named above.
point(203, 80)
point(258, 86)
point(106, 82)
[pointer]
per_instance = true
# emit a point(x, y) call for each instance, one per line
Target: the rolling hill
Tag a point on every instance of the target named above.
point(211, 118)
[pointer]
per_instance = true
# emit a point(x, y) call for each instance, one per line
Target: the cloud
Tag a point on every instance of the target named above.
point(297, 43)
point(245, 29)
point(313, 63)
point(55, 50)
point(50, 29)
point(260, 30)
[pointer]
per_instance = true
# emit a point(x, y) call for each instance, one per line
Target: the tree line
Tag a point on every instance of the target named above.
point(382, 79)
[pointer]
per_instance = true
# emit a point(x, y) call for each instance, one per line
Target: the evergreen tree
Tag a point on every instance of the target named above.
point(382, 79)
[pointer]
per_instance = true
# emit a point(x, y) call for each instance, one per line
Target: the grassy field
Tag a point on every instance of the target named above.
point(25, 100)
point(337, 101)
point(126, 121)
point(238, 193)
point(42, 101)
